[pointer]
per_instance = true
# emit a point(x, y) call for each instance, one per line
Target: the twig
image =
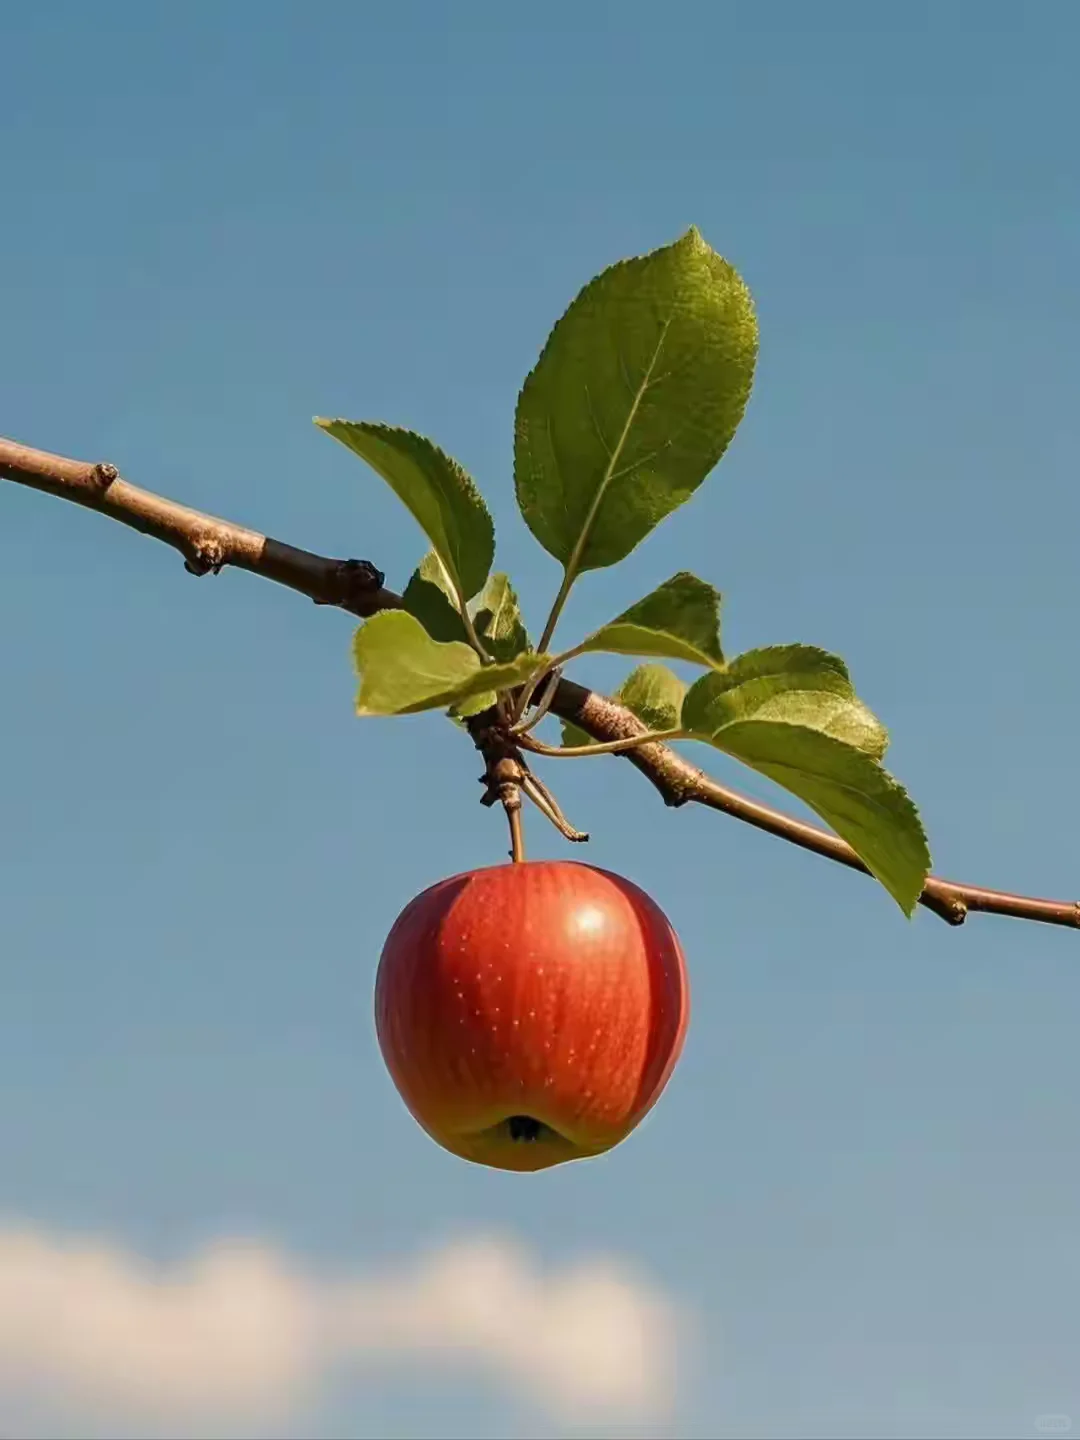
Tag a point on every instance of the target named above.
point(545, 802)
point(208, 544)
point(679, 783)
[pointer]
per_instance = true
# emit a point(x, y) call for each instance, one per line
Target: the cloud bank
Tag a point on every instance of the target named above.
point(243, 1334)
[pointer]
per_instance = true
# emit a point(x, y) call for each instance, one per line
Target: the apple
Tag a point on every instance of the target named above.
point(531, 1013)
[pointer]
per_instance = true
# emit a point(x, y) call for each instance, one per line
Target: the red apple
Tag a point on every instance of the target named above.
point(531, 1013)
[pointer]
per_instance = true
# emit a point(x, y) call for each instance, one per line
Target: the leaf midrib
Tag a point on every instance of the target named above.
point(574, 561)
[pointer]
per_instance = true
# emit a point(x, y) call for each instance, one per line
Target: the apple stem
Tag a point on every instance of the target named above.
point(517, 830)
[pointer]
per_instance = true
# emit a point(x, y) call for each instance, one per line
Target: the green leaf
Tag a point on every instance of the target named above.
point(655, 695)
point(495, 612)
point(653, 692)
point(403, 670)
point(680, 620)
point(795, 684)
point(442, 497)
point(851, 792)
point(573, 735)
point(634, 399)
point(497, 617)
point(430, 598)
point(472, 705)
point(790, 713)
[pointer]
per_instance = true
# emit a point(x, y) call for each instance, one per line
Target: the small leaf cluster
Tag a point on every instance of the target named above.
point(633, 401)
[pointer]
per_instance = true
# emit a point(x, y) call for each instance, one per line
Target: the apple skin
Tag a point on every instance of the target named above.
point(531, 1013)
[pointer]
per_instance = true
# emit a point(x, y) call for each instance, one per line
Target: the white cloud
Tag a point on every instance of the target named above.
point(242, 1334)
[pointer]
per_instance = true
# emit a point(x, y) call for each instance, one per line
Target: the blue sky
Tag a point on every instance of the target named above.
point(854, 1211)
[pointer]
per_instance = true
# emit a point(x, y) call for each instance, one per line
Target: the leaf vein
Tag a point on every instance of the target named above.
point(598, 499)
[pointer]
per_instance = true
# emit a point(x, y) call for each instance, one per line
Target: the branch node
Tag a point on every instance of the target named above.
point(351, 584)
point(207, 555)
point(954, 910)
point(504, 781)
point(103, 474)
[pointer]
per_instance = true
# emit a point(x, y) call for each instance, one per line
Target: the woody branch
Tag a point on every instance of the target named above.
point(208, 544)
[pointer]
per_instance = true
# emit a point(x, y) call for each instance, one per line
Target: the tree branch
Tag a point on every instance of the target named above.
point(208, 544)
point(679, 782)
